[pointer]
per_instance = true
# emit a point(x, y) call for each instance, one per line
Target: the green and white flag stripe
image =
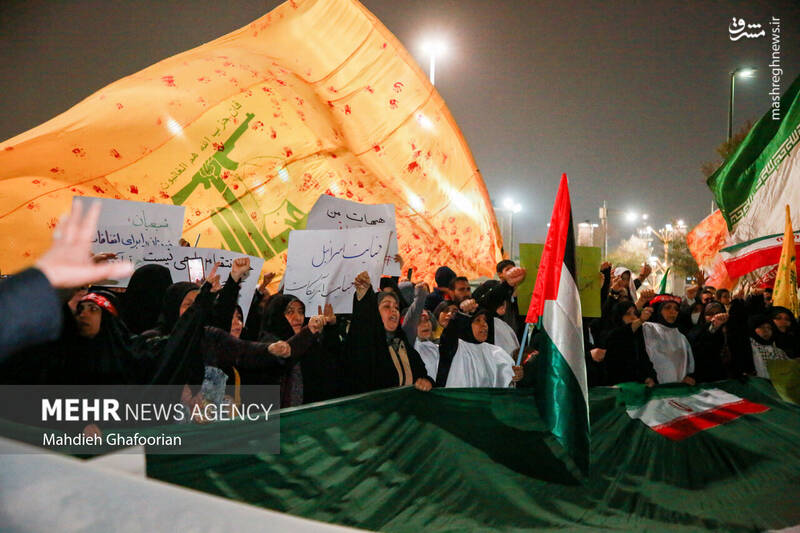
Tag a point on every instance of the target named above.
point(560, 367)
point(763, 174)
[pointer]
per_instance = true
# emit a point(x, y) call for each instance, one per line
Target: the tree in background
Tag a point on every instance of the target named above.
point(631, 253)
point(726, 149)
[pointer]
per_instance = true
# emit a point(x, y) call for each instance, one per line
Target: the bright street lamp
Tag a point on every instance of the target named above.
point(744, 72)
point(433, 48)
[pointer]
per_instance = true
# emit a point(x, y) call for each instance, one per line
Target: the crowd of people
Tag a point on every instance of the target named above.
point(60, 331)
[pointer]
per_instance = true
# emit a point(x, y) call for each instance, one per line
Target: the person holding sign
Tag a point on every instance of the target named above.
point(377, 353)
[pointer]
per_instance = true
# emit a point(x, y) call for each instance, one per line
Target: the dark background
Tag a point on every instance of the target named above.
point(628, 98)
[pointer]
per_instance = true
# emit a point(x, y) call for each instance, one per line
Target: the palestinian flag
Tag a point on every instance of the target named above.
point(561, 388)
point(763, 173)
point(679, 416)
point(745, 257)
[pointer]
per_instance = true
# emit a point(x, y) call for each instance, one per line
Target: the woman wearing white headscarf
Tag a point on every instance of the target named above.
point(668, 349)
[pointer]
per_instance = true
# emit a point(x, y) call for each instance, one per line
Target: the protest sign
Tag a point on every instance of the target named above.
point(134, 225)
point(176, 258)
point(322, 265)
point(330, 212)
point(587, 259)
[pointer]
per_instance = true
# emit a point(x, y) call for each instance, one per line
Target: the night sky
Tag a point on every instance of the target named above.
point(628, 98)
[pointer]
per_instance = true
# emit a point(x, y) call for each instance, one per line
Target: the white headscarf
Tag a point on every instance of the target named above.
point(480, 365)
point(429, 352)
point(619, 271)
point(505, 337)
point(669, 351)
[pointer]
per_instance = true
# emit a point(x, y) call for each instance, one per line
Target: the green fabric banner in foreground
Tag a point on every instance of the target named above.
point(481, 459)
point(460, 460)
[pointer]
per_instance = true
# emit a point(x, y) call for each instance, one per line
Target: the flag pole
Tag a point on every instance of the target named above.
point(524, 343)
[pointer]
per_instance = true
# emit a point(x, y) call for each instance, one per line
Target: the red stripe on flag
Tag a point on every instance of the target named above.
point(550, 265)
point(744, 264)
point(688, 425)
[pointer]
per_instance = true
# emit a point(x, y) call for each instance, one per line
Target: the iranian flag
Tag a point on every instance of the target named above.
point(561, 390)
point(745, 257)
point(763, 174)
point(680, 416)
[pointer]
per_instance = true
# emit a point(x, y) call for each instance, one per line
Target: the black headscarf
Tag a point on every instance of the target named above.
point(658, 304)
point(459, 328)
point(759, 320)
point(391, 283)
point(141, 303)
point(171, 308)
point(274, 323)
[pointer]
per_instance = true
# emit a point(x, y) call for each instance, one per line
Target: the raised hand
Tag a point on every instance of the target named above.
point(645, 271)
point(239, 268)
point(68, 262)
point(362, 283)
point(266, 280)
point(316, 323)
point(646, 313)
point(213, 278)
point(598, 354)
point(280, 349)
point(719, 319)
point(515, 276)
point(519, 373)
point(468, 306)
point(327, 314)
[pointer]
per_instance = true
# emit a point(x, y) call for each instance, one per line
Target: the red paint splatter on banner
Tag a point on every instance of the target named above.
point(272, 133)
point(257, 125)
point(349, 194)
point(287, 151)
point(347, 109)
point(254, 215)
point(360, 185)
point(330, 104)
point(169, 81)
point(299, 100)
point(98, 189)
point(158, 122)
point(134, 189)
point(163, 195)
point(280, 82)
point(393, 103)
point(119, 105)
point(204, 79)
point(52, 223)
point(398, 86)
point(377, 147)
point(369, 89)
point(413, 166)
point(197, 212)
point(235, 186)
point(9, 148)
point(383, 46)
point(416, 236)
point(36, 182)
point(114, 153)
point(332, 89)
point(225, 175)
point(27, 253)
point(329, 192)
point(152, 199)
point(218, 146)
point(80, 152)
point(333, 156)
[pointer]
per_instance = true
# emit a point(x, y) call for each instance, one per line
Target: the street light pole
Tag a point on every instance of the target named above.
point(744, 73)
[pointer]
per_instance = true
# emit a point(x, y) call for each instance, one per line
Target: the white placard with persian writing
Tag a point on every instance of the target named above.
point(176, 257)
point(322, 265)
point(330, 212)
point(135, 224)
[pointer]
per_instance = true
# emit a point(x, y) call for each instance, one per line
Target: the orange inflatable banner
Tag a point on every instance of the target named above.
point(248, 130)
point(704, 242)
